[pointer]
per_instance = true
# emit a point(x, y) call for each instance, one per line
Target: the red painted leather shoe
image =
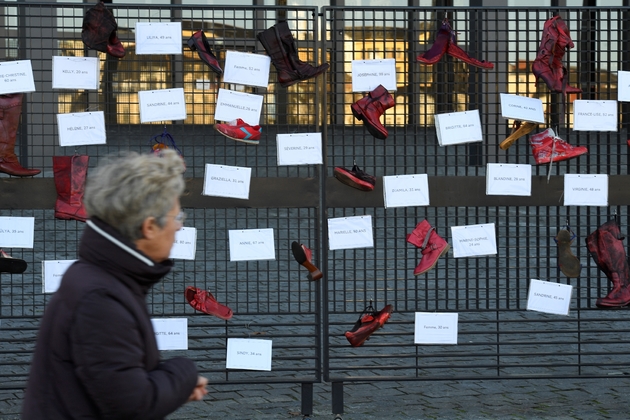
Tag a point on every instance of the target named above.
point(304, 256)
point(8, 264)
point(198, 42)
point(355, 178)
point(370, 108)
point(204, 302)
point(368, 323)
point(432, 246)
point(239, 130)
point(547, 147)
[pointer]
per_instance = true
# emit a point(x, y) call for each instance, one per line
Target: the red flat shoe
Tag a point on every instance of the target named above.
point(204, 302)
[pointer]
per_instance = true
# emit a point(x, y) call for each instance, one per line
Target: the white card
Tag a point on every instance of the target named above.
point(75, 72)
point(508, 179)
point(171, 333)
point(458, 127)
point(435, 328)
point(350, 232)
point(52, 272)
point(522, 108)
point(474, 240)
point(162, 105)
point(248, 353)
point(252, 245)
point(299, 149)
point(81, 128)
point(227, 181)
point(585, 190)
point(406, 190)
point(549, 297)
point(595, 115)
point(246, 69)
point(17, 232)
point(158, 38)
point(232, 105)
point(623, 86)
point(16, 77)
point(367, 75)
point(185, 244)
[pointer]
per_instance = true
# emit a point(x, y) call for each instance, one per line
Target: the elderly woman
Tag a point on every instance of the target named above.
point(96, 354)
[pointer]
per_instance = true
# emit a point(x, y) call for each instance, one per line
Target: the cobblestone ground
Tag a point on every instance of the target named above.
point(510, 399)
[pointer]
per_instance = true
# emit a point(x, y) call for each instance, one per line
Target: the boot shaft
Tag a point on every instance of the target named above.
point(70, 173)
point(274, 47)
point(609, 253)
point(10, 111)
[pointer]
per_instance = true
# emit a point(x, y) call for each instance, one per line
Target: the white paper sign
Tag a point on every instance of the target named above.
point(248, 353)
point(246, 69)
point(585, 190)
point(252, 245)
point(623, 86)
point(552, 298)
point(508, 179)
point(81, 128)
point(171, 333)
point(474, 240)
point(458, 127)
point(16, 77)
point(227, 181)
point(435, 328)
point(158, 38)
point(52, 272)
point(185, 244)
point(368, 74)
point(350, 232)
point(162, 105)
point(232, 105)
point(299, 149)
point(594, 115)
point(17, 232)
point(406, 190)
point(522, 108)
point(75, 72)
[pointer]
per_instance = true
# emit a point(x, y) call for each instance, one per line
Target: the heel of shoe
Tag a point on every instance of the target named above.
point(191, 44)
point(313, 272)
point(356, 111)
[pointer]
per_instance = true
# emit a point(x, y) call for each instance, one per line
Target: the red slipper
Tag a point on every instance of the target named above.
point(204, 302)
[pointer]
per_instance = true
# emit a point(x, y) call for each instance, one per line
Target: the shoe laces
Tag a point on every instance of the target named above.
point(161, 141)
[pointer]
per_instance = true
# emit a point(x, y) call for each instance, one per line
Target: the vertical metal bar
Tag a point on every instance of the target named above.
point(307, 398)
point(337, 398)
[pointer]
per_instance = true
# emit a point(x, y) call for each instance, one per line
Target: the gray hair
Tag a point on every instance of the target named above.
point(124, 191)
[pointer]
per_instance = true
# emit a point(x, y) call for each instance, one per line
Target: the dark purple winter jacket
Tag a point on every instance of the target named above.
point(96, 355)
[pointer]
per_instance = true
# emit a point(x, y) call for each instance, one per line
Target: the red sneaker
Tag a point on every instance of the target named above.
point(241, 131)
point(547, 147)
point(368, 323)
point(304, 256)
point(204, 302)
point(355, 178)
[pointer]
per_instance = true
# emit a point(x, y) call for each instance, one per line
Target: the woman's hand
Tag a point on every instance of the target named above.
point(200, 390)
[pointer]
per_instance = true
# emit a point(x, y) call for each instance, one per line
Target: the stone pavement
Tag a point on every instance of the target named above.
point(557, 399)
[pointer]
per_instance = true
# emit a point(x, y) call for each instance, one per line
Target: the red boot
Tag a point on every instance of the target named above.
point(70, 173)
point(304, 256)
point(370, 108)
point(556, 39)
point(305, 70)
point(369, 321)
point(432, 246)
point(605, 246)
point(10, 111)
point(546, 147)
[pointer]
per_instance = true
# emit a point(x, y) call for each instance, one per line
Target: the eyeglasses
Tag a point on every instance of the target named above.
point(180, 218)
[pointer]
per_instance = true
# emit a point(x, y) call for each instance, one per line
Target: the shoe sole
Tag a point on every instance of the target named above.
point(300, 257)
point(256, 142)
point(12, 265)
point(525, 128)
point(353, 182)
point(444, 251)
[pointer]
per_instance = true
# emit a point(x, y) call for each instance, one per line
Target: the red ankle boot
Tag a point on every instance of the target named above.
point(370, 108)
point(304, 256)
point(609, 253)
point(70, 173)
point(432, 246)
point(547, 147)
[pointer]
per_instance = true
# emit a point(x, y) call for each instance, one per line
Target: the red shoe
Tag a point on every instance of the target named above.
point(198, 42)
point(8, 264)
point(355, 178)
point(304, 256)
point(432, 246)
point(370, 108)
point(241, 131)
point(369, 321)
point(204, 302)
point(547, 147)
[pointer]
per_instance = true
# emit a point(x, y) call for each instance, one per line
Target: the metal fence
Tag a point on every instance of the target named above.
point(498, 338)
